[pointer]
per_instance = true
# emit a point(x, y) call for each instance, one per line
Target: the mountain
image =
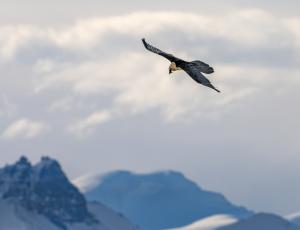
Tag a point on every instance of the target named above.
point(35, 197)
point(294, 218)
point(262, 221)
point(211, 223)
point(156, 201)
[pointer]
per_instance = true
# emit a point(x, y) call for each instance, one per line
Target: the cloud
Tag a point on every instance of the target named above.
point(252, 27)
point(7, 108)
point(86, 125)
point(61, 105)
point(102, 59)
point(24, 129)
point(43, 66)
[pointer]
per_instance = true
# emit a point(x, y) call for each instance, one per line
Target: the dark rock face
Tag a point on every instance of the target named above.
point(44, 188)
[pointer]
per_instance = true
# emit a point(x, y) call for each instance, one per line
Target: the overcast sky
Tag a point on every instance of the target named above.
point(77, 85)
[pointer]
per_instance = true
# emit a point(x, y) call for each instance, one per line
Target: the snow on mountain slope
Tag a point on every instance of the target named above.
point(110, 219)
point(167, 199)
point(211, 223)
point(262, 221)
point(294, 218)
point(40, 197)
point(15, 217)
point(88, 182)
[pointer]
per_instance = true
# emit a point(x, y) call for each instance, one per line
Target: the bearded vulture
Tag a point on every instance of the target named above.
point(194, 68)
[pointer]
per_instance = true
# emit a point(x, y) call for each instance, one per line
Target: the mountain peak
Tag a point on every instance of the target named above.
point(45, 189)
point(48, 160)
point(50, 170)
point(161, 195)
point(23, 161)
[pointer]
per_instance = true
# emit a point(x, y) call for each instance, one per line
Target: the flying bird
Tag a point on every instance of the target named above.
point(194, 68)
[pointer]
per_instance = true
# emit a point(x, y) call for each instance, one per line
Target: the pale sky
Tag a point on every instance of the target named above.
point(77, 85)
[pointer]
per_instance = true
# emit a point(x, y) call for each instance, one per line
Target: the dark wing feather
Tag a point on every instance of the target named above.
point(153, 49)
point(204, 68)
point(195, 72)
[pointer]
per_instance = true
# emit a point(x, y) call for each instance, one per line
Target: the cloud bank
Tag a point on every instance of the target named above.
point(103, 57)
point(25, 129)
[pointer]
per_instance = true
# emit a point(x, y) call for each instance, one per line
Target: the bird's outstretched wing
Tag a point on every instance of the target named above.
point(194, 71)
point(153, 49)
point(204, 68)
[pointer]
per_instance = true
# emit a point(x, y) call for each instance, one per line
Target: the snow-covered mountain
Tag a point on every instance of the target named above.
point(38, 197)
point(211, 223)
point(262, 221)
point(294, 218)
point(156, 201)
point(259, 221)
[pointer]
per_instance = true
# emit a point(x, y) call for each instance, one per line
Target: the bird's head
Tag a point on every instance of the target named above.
point(210, 70)
point(172, 67)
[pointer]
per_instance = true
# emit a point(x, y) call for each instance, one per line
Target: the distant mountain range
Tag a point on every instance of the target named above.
point(40, 197)
point(168, 200)
point(159, 200)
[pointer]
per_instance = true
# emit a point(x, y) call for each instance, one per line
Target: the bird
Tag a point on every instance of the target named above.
point(194, 68)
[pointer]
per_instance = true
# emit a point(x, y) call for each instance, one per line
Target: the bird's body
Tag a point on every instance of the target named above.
point(194, 68)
